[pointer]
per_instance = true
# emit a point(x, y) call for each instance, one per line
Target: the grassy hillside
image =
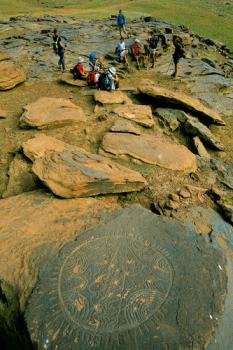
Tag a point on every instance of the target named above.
point(210, 18)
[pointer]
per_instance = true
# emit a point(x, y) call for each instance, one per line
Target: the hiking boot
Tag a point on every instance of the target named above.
point(173, 75)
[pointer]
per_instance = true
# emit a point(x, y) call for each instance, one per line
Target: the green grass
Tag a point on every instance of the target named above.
point(210, 18)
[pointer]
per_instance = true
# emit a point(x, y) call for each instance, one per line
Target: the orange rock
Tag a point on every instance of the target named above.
point(10, 75)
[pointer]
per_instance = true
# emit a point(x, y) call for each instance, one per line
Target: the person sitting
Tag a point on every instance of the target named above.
point(178, 53)
point(138, 54)
point(78, 70)
point(109, 80)
point(122, 51)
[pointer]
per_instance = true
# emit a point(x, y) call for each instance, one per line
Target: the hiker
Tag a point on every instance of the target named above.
point(95, 67)
point(152, 47)
point(121, 23)
point(122, 51)
point(78, 70)
point(109, 80)
point(59, 48)
point(178, 53)
point(137, 53)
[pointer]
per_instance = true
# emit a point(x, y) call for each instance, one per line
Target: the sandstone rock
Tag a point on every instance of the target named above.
point(111, 97)
point(10, 75)
point(146, 269)
point(200, 148)
point(194, 127)
point(184, 194)
point(3, 114)
point(68, 79)
point(4, 56)
point(32, 224)
point(138, 113)
point(21, 178)
point(51, 112)
point(169, 117)
point(125, 127)
point(174, 197)
point(150, 149)
point(184, 101)
point(70, 171)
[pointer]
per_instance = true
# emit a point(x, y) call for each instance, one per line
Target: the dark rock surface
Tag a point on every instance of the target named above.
point(137, 281)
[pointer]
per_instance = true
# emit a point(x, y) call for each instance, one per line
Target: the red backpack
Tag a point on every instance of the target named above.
point(91, 78)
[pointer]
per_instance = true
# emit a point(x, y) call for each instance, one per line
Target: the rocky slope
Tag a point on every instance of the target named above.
point(163, 143)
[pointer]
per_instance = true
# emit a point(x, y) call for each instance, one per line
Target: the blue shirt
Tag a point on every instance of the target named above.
point(120, 19)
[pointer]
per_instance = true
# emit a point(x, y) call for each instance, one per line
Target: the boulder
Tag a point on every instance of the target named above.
point(124, 126)
point(68, 79)
point(70, 171)
point(194, 127)
point(137, 113)
point(186, 102)
point(170, 117)
point(111, 97)
point(151, 150)
point(51, 112)
point(138, 281)
point(32, 224)
point(21, 178)
point(10, 75)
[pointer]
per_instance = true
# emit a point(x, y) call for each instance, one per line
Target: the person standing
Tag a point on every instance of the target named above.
point(178, 53)
point(121, 23)
point(59, 48)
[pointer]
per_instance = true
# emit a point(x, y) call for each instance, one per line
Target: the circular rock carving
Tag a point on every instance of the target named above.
point(110, 285)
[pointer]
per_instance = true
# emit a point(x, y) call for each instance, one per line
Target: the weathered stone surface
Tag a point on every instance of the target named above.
point(51, 112)
point(4, 56)
point(32, 224)
point(21, 178)
point(224, 170)
point(124, 126)
point(137, 113)
point(150, 149)
point(3, 114)
point(10, 75)
point(194, 127)
point(184, 101)
point(170, 117)
point(111, 97)
point(130, 281)
point(226, 203)
point(70, 171)
point(68, 79)
point(200, 148)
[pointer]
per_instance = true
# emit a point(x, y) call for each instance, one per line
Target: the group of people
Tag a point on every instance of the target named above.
point(142, 54)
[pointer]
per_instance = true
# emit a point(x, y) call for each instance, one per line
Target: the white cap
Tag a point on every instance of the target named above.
point(137, 41)
point(112, 70)
point(80, 60)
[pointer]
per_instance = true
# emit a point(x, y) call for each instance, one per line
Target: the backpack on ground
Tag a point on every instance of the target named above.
point(91, 78)
point(104, 82)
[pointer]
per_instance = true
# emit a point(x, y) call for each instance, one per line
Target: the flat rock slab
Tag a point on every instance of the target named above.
point(137, 113)
point(184, 101)
point(150, 149)
point(124, 126)
point(10, 75)
point(194, 127)
point(111, 97)
point(68, 79)
point(51, 112)
point(136, 282)
point(35, 220)
point(70, 171)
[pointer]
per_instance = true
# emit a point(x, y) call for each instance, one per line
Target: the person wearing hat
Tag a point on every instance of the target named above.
point(114, 80)
point(122, 51)
point(137, 53)
point(78, 70)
